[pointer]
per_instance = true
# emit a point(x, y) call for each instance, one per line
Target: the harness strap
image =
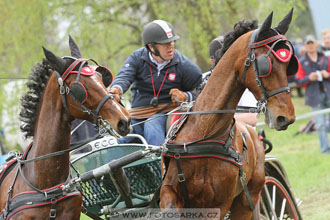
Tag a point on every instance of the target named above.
point(245, 153)
point(57, 153)
point(32, 199)
point(6, 211)
point(245, 188)
point(250, 58)
point(283, 89)
point(102, 102)
point(63, 87)
point(52, 211)
point(28, 182)
point(182, 183)
point(267, 41)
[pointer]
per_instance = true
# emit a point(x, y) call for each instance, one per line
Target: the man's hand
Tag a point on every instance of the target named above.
point(116, 92)
point(325, 74)
point(312, 76)
point(181, 96)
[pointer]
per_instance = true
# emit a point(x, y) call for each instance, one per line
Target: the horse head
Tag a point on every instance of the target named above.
point(84, 91)
point(271, 60)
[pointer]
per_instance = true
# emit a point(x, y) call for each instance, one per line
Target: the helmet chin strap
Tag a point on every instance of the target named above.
point(156, 53)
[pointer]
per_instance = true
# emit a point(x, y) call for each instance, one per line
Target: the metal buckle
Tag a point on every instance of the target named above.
point(247, 61)
point(52, 213)
point(181, 177)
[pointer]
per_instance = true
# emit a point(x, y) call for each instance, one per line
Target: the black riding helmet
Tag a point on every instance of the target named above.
point(159, 32)
point(215, 45)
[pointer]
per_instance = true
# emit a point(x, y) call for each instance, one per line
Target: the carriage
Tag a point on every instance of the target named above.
point(109, 194)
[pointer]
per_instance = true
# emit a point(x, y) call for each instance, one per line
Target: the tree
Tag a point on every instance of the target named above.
point(111, 30)
point(25, 26)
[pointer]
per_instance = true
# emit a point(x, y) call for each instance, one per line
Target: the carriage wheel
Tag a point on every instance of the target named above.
point(275, 202)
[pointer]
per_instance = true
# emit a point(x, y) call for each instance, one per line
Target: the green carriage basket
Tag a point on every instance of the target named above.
point(143, 177)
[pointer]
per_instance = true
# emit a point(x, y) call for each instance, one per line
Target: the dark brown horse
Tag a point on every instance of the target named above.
point(259, 60)
point(60, 90)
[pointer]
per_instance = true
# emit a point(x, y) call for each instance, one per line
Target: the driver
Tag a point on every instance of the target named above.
point(160, 76)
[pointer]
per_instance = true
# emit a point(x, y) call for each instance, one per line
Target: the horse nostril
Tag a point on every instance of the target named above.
point(281, 120)
point(123, 126)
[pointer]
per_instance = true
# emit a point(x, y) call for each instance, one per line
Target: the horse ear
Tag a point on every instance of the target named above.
point(54, 61)
point(283, 26)
point(266, 25)
point(75, 51)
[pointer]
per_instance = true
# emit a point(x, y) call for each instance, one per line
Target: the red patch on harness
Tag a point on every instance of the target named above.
point(284, 55)
point(87, 71)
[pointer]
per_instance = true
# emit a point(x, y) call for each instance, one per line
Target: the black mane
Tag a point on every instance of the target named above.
point(240, 28)
point(30, 102)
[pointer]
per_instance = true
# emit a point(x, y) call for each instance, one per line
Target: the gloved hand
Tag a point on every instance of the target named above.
point(181, 96)
point(116, 92)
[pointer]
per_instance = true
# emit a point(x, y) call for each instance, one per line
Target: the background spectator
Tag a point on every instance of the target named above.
point(313, 74)
point(325, 46)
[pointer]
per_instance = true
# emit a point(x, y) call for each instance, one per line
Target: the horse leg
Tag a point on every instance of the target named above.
point(241, 209)
point(169, 199)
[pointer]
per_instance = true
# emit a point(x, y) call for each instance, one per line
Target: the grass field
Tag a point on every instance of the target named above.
point(307, 168)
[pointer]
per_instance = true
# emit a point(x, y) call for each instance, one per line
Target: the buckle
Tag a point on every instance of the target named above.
point(181, 177)
point(247, 61)
point(52, 213)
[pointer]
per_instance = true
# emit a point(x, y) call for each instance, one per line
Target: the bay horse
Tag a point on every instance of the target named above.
point(60, 90)
point(213, 162)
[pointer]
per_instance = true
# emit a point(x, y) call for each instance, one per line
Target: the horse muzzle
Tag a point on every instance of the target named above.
point(124, 126)
point(277, 122)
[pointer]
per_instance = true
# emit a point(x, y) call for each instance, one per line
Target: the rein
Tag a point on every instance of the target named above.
point(186, 105)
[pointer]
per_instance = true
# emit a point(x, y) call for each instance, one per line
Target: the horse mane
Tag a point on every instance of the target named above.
point(240, 28)
point(30, 102)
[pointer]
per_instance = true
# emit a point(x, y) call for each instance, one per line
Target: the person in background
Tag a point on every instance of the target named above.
point(247, 98)
point(160, 77)
point(313, 74)
point(299, 49)
point(325, 37)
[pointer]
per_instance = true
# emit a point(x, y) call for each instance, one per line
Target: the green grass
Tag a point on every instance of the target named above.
point(307, 168)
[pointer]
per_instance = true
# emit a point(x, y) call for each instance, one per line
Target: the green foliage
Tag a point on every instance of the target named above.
point(110, 30)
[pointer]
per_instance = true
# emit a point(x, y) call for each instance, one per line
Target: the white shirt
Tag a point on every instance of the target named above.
point(248, 99)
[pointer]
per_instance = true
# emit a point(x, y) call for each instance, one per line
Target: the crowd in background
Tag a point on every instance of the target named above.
point(314, 76)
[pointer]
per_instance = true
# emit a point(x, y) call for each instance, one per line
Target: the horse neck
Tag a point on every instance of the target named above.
point(52, 134)
point(222, 91)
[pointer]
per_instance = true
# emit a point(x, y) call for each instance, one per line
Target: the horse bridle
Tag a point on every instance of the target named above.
point(76, 88)
point(261, 103)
